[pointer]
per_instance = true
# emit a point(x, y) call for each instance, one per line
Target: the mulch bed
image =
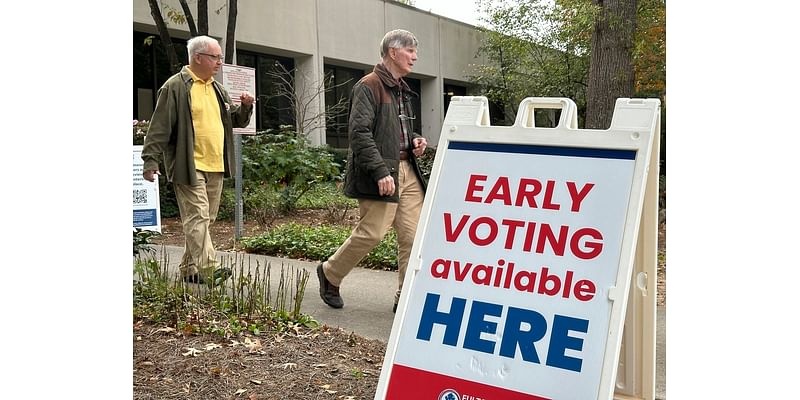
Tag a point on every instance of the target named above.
point(327, 363)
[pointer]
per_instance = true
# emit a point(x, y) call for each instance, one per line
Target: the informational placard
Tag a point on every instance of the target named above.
point(236, 80)
point(146, 204)
point(522, 261)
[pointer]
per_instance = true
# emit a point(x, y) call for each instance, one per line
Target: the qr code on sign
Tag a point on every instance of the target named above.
point(139, 196)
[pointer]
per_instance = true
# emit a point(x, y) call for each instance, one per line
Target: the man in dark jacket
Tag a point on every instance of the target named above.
point(191, 131)
point(382, 171)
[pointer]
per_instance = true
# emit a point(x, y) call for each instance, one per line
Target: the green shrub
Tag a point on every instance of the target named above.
point(339, 156)
point(261, 203)
point(166, 197)
point(285, 161)
point(325, 195)
point(425, 162)
point(227, 202)
point(141, 241)
point(318, 243)
point(328, 196)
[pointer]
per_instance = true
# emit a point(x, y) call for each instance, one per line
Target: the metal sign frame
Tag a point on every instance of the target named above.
point(634, 128)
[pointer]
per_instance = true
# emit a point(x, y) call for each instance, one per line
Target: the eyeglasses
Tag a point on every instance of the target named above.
point(218, 57)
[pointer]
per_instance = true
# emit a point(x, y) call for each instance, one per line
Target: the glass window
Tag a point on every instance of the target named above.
point(339, 83)
point(274, 80)
point(151, 69)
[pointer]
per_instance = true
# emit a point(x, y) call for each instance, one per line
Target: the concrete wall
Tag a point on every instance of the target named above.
point(345, 33)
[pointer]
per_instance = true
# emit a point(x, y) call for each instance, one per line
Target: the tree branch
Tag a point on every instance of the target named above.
point(202, 17)
point(189, 19)
point(230, 37)
point(166, 39)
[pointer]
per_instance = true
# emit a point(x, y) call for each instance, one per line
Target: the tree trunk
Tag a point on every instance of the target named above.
point(202, 17)
point(611, 62)
point(230, 39)
point(189, 20)
point(166, 39)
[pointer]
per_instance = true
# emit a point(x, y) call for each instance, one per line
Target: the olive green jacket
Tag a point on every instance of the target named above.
point(170, 137)
point(374, 132)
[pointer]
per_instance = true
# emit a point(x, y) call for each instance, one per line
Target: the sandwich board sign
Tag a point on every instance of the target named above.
point(522, 264)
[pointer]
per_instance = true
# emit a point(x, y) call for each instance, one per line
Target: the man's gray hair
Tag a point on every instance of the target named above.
point(397, 39)
point(199, 44)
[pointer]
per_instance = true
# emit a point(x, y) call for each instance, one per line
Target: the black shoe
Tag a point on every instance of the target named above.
point(328, 292)
point(394, 308)
point(220, 275)
point(194, 278)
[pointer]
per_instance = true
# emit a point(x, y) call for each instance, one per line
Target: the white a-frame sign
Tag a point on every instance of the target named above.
point(522, 268)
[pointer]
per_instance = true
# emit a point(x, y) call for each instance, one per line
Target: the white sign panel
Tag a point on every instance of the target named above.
point(146, 204)
point(516, 268)
point(236, 80)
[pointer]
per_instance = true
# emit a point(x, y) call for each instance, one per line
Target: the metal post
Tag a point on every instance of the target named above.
point(238, 213)
point(237, 149)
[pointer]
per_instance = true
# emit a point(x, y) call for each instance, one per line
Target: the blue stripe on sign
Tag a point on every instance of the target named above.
point(545, 150)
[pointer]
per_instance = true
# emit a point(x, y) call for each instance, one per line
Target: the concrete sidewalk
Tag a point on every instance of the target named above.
point(368, 296)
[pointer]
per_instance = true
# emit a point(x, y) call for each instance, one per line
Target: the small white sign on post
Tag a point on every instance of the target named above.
point(520, 270)
point(236, 80)
point(146, 204)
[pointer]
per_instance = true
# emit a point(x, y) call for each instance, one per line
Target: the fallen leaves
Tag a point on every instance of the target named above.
point(327, 388)
point(253, 367)
point(252, 346)
point(212, 346)
point(191, 351)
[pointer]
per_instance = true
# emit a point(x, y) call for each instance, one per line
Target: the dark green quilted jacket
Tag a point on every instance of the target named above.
point(374, 130)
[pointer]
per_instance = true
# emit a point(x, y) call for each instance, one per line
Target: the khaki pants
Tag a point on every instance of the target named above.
point(198, 206)
point(375, 219)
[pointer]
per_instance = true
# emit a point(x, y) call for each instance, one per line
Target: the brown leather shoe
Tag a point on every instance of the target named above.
point(328, 292)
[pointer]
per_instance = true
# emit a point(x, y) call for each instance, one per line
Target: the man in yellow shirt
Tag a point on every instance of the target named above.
point(191, 131)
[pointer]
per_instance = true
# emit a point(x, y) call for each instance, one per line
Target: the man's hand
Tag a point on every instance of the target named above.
point(386, 186)
point(150, 175)
point(419, 146)
point(247, 99)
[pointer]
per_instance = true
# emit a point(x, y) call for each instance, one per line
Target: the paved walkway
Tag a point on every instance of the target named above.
point(369, 296)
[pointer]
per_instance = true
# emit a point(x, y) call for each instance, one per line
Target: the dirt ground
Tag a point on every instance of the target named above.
point(324, 364)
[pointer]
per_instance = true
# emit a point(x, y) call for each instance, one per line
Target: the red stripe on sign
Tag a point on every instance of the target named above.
point(410, 383)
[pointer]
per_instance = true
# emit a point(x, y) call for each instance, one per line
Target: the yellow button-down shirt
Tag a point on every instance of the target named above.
point(209, 134)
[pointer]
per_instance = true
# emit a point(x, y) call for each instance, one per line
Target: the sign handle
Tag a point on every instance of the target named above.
point(526, 114)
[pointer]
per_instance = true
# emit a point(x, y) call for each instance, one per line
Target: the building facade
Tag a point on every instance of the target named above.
point(301, 42)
